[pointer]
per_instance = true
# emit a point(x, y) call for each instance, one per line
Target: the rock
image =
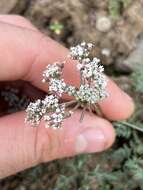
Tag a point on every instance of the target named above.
point(132, 26)
point(134, 60)
point(125, 83)
point(103, 24)
point(132, 36)
point(121, 66)
point(106, 52)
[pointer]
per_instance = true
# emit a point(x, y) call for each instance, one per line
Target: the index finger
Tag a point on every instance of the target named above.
point(24, 54)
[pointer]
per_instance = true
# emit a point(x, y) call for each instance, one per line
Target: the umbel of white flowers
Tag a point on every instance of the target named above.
point(92, 89)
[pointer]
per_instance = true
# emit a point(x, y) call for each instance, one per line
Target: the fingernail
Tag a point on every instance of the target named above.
point(90, 140)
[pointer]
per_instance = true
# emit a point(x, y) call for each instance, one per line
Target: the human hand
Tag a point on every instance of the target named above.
point(24, 53)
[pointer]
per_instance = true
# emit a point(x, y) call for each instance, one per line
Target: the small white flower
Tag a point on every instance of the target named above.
point(50, 102)
point(77, 51)
point(86, 94)
point(83, 44)
point(90, 45)
point(96, 60)
point(87, 71)
point(85, 61)
point(90, 68)
point(56, 118)
point(71, 90)
point(57, 85)
point(79, 66)
point(100, 68)
point(47, 118)
point(52, 70)
point(80, 51)
point(34, 113)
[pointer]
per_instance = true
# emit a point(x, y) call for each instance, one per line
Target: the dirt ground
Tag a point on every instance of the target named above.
point(116, 28)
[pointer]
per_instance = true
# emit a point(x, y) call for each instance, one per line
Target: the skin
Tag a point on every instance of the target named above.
point(24, 54)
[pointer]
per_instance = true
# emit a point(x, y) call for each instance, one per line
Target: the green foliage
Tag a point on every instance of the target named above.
point(56, 27)
point(116, 7)
point(16, 102)
point(137, 77)
point(105, 188)
point(122, 131)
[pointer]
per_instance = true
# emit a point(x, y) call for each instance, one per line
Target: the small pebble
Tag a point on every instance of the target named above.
point(106, 52)
point(103, 24)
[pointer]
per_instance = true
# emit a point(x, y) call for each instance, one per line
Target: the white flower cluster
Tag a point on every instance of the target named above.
point(52, 112)
point(56, 118)
point(57, 85)
point(80, 51)
point(52, 71)
point(90, 68)
point(52, 75)
point(92, 88)
point(86, 94)
point(71, 90)
point(34, 113)
point(94, 82)
point(50, 102)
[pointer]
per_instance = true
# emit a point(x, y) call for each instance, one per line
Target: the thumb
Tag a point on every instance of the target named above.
point(23, 146)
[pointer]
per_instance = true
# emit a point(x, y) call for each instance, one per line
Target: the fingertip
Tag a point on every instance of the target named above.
point(128, 108)
point(109, 133)
point(118, 105)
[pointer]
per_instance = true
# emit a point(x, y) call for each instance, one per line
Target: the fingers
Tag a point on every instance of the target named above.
point(26, 54)
point(118, 105)
point(24, 146)
point(17, 55)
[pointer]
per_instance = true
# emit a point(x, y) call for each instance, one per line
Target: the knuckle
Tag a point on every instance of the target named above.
point(36, 56)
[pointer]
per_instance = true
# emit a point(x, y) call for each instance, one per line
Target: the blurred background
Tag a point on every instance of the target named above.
point(116, 28)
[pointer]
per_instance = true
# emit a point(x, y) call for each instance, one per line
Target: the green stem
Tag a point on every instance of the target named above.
point(82, 114)
point(76, 107)
point(128, 125)
point(70, 103)
point(97, 110)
